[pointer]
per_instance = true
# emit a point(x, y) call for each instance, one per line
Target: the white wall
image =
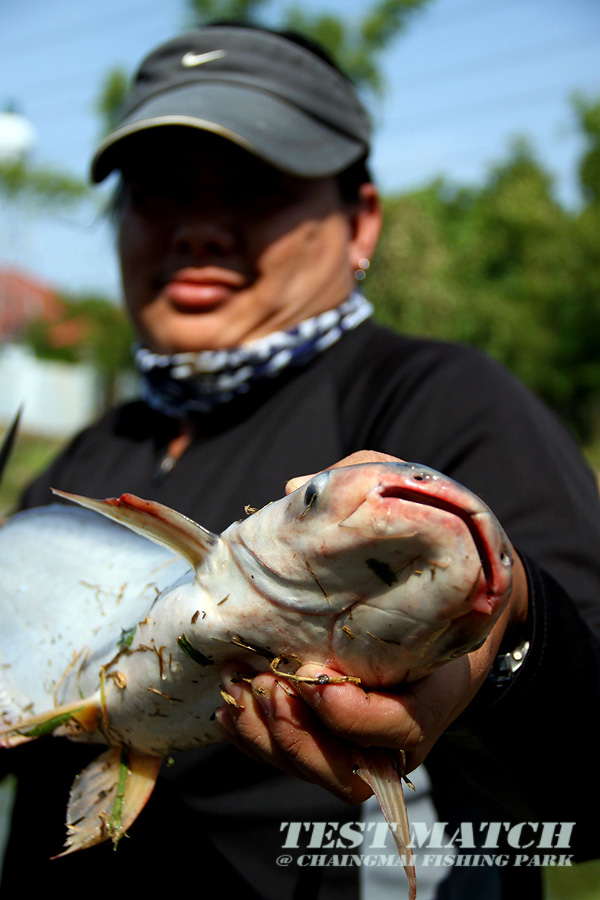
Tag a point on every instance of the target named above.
point(58, 398)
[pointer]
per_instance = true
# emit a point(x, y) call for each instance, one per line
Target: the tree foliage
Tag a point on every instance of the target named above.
point(42, 184)
point(503, 266)
point(357, 45)
point(588, 114)
point(202, 11)
point(92, 330)
point(110, 98)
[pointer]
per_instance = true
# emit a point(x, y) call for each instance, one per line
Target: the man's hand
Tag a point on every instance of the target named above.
point(311, 730)
point(355, 459)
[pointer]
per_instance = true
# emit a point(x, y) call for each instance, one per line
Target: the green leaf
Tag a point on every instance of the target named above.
point(126, 639)
point(192, 652)
point(115, 826)
point(50, 725)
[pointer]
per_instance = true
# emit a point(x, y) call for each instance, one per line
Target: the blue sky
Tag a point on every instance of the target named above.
point(464, 79)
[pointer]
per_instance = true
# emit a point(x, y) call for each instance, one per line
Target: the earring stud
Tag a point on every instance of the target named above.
point(363, 265)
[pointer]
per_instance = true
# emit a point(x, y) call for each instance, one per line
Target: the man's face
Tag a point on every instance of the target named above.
point(218, 249)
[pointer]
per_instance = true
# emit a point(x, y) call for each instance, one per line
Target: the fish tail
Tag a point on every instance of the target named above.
point(380, 771)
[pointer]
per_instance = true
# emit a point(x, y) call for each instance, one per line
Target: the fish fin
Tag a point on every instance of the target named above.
point(8, 441)
point(71, 718)
point(159, 523)
point(380, 771)
point(107, 797)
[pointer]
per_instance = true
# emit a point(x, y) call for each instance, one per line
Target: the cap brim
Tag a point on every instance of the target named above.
point(264, 125)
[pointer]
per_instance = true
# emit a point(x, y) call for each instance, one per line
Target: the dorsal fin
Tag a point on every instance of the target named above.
point(156, 522)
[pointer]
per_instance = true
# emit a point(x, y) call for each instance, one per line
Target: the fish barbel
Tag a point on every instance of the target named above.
point(381, 571)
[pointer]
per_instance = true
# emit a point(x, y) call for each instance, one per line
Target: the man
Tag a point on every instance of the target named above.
point(244, 213)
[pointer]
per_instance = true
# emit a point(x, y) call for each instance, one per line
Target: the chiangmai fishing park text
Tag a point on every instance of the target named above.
point(522, 844)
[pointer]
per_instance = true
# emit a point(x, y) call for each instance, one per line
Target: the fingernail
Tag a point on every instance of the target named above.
point(232, 690)
point(223, 718)
point(294, 483)
point(265, 699)
point(311, 693)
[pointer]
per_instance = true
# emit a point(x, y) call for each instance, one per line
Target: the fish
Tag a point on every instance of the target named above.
point(117, 635)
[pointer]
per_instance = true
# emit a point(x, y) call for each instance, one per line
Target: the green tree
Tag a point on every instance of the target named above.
point(110, 98)
point(504, 267)
point(91, 329)
point(588, 115)
point(22, 179)
point(357, 45)
point(202, 11)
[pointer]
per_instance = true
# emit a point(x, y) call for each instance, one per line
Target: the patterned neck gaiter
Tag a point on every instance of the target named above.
point(190, 383)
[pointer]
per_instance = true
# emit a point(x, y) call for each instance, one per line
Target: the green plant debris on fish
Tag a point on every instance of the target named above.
point(310, 577)
point(115, 825)
point(49, 725)
point(191, 651)
point(126, 639)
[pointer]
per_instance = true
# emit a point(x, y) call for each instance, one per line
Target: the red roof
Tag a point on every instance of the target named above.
point(22, 299)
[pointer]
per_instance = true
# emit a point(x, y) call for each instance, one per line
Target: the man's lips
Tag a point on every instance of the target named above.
point(201, 289)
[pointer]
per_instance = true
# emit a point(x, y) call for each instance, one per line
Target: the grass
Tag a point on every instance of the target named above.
point(580, 882)
point(32, 455)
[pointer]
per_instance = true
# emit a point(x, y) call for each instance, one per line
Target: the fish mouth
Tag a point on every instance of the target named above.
point(496, 560)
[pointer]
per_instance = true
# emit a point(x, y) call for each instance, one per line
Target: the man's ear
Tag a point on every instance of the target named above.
point(365, 221)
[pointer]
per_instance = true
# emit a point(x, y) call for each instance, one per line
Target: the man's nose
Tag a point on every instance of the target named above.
point(204, 235)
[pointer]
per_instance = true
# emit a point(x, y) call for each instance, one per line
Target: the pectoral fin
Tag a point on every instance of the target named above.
point(154, 521)
point(380, 771)
point(82, 715)
point(107, 797)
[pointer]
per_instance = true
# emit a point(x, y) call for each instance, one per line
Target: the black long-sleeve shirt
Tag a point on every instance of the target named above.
point(508, 756)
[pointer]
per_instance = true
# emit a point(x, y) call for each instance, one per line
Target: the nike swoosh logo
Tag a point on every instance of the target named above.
point(190, 59)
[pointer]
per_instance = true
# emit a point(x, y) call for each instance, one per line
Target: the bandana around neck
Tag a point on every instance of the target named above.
point(186, 383)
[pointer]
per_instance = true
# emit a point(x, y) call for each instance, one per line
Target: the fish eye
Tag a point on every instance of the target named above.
point(313, 490)
point(310, 495)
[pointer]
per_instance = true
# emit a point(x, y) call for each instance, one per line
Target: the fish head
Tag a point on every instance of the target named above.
point(397, 554)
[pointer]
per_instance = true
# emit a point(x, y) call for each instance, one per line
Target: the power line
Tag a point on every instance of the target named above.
point(437, 156)
point(96, 23)
point(471, 67)
point(99, 24)
point(493, 62)
point(475, 10)
point(425, 119)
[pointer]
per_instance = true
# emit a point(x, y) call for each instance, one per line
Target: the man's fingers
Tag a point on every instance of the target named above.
point(355, 459)
point(294, 483)
point(272, 723)
point(367, 718)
